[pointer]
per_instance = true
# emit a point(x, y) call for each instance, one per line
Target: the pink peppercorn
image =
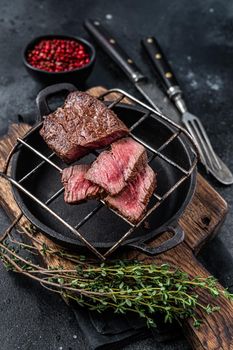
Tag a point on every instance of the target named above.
point(58, 55)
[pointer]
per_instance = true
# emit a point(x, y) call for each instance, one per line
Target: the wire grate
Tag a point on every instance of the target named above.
point(149, 113)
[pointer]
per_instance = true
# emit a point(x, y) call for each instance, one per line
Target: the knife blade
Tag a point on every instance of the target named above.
point(151, 91)
point(209, 158)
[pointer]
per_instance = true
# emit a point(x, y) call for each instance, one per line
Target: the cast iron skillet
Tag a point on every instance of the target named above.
point(105, 228)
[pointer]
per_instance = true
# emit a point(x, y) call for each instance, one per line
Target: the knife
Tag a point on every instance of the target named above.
point(152, 93)
point(212, 162)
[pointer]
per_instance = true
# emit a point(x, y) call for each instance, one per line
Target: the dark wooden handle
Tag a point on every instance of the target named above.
point(113, 49)
point(216, 330)
point(160, 62)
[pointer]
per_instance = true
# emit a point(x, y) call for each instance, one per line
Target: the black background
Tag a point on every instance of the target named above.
point(197, 36)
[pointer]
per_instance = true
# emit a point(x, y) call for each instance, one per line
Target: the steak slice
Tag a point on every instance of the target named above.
point(113, 169)
point(82, 124)
point(133, 200)
point(77, 188)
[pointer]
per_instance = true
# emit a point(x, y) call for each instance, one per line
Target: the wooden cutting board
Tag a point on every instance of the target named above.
point(200, 221)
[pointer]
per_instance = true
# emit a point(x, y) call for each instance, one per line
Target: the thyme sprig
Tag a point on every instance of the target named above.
point(123, 286)
point(143, 289)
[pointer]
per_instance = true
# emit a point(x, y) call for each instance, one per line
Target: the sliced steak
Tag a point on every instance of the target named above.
point(133, 200)
point(82, 124)
point(77, 188)
point(113, 169)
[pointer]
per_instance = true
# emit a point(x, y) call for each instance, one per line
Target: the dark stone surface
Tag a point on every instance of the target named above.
point(197, 37)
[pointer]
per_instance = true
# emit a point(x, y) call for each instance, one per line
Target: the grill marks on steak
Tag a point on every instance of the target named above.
point(77, 188)
point(133, 200)
point(56, 135)
point(82, 124)
point(113, 169)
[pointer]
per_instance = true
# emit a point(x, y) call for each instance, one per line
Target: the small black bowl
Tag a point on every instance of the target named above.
point(76, 76)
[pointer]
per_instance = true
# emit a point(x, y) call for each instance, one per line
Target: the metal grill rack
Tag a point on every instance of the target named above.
point(149, 112)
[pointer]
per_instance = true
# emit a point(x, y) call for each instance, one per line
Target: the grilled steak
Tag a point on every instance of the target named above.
point(77, 188)
point(113, 169)
point(132, 201)
point(82, 124)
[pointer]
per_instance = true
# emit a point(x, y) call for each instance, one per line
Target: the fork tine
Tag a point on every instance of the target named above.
point(192, 133)
point(201, 143)
point(205, 137)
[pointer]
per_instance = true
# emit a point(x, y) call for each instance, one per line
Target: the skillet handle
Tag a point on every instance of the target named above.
point(177, 238)
point(41, 100)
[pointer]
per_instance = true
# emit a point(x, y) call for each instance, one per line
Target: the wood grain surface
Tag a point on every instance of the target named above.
point(200, 221)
